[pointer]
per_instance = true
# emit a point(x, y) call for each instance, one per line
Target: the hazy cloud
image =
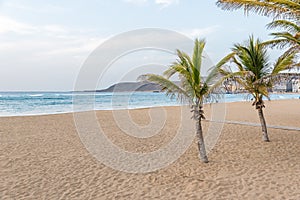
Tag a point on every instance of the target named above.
point(166, 3)
point(161, 3)
point(46, 39)
point(138, 2)
point(40, 8)
point(200, 32)
point(11, 25)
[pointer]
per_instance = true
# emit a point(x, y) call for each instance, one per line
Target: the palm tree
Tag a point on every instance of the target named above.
point(192, 86)
point(288, 9)
point(254, 72)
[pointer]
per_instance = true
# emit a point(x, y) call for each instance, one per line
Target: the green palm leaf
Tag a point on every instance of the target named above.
point(253, 70)
point(287, 13)
point(289, 26)
point(197, 59)
point(274, 8)
point(167, 86)
point(284, 62)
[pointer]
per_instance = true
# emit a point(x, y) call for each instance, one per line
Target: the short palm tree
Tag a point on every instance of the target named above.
point(252, 70)
point(193, 86)
point(288, 9)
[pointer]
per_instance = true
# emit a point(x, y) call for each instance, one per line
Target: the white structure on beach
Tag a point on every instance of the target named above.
point(288, 82)
point(293, 85)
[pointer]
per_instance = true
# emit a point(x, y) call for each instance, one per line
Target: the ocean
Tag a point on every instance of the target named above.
point(38, 103)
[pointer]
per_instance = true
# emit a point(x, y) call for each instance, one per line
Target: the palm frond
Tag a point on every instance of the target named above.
point(274, 8)
point(279, 43)
point(197, 59)
point(225, 75)
point(224, 60)
point(284, 24)
point(185, 60)
point(213, 74)
point(286, 35)
point(177, 68)
point(284, 62)
point(264, 92)
point(167, 86)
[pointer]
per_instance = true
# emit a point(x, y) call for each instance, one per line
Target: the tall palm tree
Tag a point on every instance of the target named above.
point(288, 9)
point(193, 87)
point(253, 71)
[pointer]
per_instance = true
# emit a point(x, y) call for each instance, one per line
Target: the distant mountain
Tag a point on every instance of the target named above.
point(132, 86)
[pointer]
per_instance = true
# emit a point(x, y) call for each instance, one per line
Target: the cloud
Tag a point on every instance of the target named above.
point(54, 28)
point(166, 3)
point(137, 2)
point(41, 8)
point(79, 47)
point(200, 32)
point(45, 41)
point(11, 25)
point(52, 40)
point(161, 3)
point(41, 54)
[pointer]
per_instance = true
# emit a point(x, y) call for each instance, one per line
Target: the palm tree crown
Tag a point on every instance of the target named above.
point(253, 70)
point(193, 87)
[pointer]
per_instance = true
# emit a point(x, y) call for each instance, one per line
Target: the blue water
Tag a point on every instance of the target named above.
point(36, 103)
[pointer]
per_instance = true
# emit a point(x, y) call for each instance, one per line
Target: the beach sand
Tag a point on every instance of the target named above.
point(42, 157)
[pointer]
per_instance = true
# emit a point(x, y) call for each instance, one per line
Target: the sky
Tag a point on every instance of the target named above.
point(44, 44)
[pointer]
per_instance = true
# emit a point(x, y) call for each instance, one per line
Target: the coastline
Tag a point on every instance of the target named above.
point(135, 108)
point(43, 157)
point(28, 104)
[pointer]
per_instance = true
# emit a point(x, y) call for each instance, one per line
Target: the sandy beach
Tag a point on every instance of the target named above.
point(42, 157)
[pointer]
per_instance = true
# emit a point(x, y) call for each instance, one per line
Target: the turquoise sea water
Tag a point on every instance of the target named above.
point(36, 103)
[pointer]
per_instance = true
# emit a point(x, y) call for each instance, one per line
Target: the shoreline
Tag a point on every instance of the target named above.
point(136, 108)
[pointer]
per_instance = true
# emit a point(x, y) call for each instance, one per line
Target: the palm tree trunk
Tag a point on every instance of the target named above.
point(201, 145)
point(263, 125)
